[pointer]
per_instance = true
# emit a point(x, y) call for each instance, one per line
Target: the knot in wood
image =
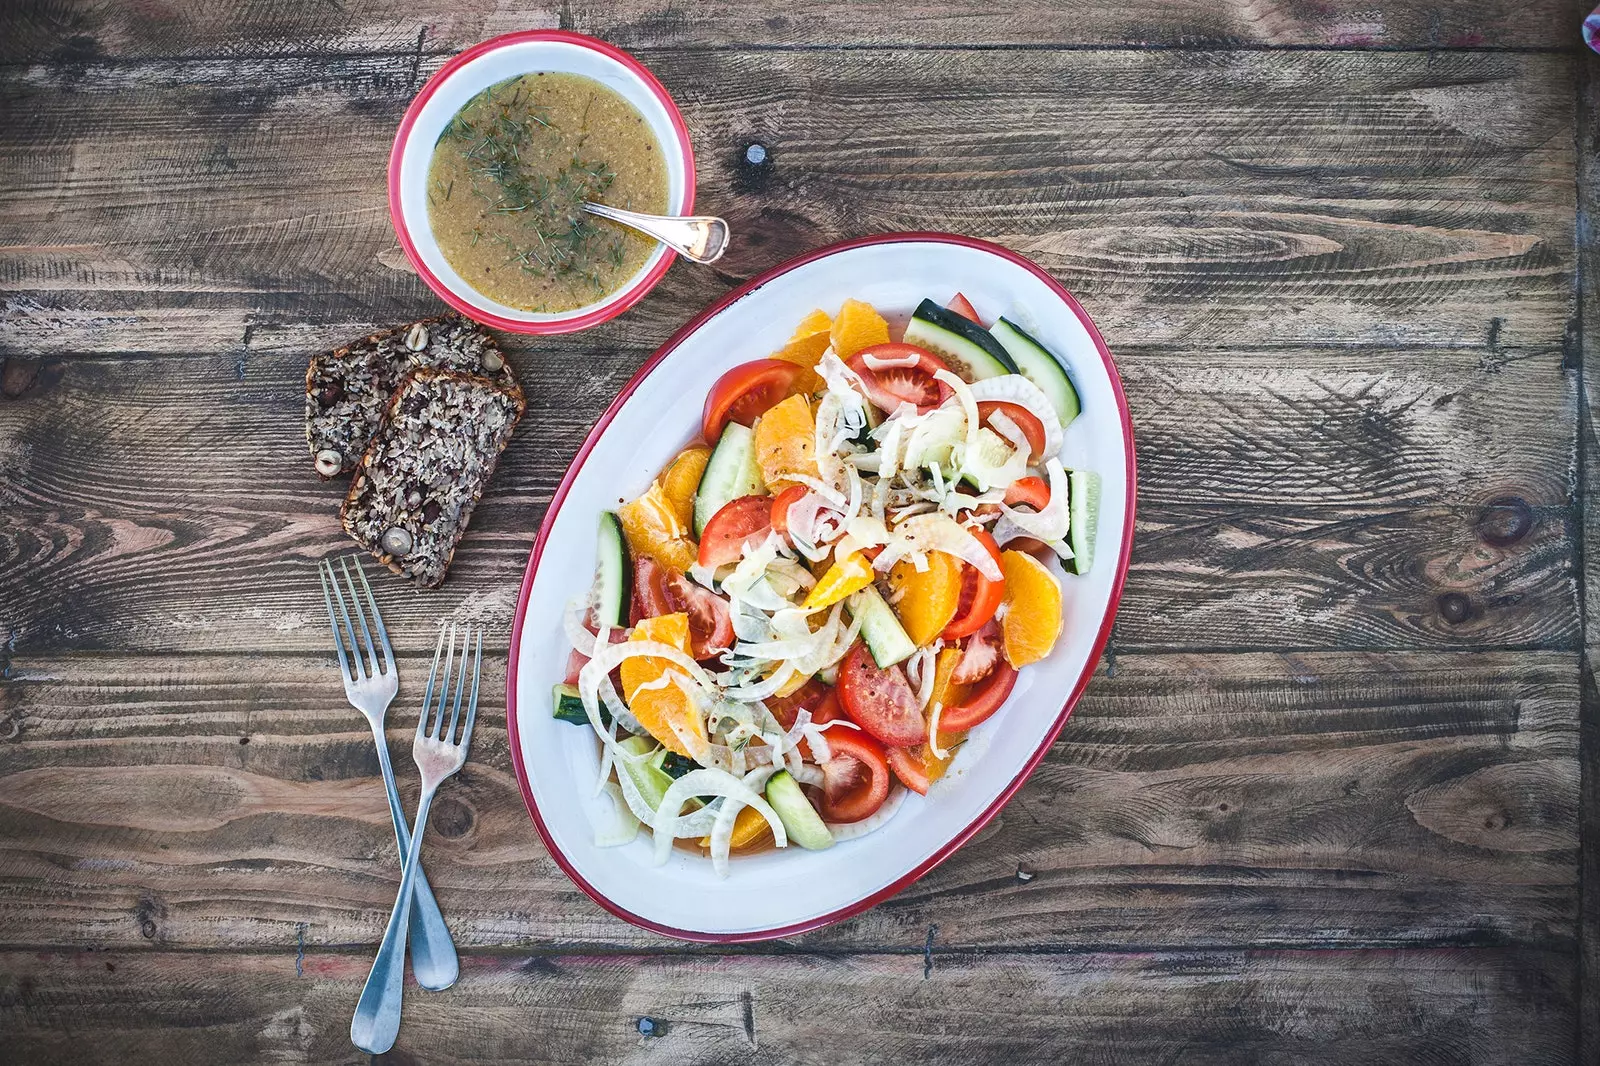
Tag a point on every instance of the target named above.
point(1454, 608)
point(453, 818)
point(1505, 521)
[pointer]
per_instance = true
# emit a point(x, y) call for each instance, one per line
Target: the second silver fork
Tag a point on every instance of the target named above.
point(371, 687)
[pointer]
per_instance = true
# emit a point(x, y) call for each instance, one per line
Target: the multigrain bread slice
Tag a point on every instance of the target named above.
point(435, 450)
point(348, 388)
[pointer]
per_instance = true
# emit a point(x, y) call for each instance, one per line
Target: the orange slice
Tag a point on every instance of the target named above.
point(811, 325)
point(681, 479)
point(660, 708)
point(749, 829)
point(811, 338)
point(652, 527)
point(925, 600)
point(850, 574)
point(858, 326)
point(785, 443)
point(1033, 609)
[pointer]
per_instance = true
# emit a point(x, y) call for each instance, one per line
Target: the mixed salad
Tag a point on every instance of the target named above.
point(806, 613)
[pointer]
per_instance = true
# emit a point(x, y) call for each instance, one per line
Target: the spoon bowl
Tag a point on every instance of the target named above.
point(698, 238)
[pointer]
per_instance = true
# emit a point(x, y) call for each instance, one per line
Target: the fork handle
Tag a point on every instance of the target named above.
point(376, 1021)
point(433, 954)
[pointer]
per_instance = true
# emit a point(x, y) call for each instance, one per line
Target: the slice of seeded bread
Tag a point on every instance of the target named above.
point(347, 389)
point(414, 491)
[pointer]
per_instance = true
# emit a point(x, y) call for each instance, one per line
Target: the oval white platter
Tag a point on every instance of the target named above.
point(782, 893)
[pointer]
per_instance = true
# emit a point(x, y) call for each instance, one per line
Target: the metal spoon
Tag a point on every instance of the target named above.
point(700, 238)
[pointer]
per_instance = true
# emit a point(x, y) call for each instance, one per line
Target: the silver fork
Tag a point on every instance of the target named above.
point(438, 755)
point(370, 685)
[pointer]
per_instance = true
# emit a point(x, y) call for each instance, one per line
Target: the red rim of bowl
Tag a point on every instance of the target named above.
point(960, 838)
point(619, 301)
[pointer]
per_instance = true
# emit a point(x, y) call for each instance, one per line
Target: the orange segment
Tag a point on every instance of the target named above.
point(749, 829)
point(660, 708)
point(785, 443)
point(858, 326)
point(850, 574)
point(681, 479)
point(926, 601)
point(1033, 609)
point(811, 325)
point(652, 528)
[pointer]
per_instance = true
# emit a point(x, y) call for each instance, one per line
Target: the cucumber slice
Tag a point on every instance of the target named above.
point(567, 706)
point(885, 636)
point(1035, 363)
point(672, 764)
point(800, 820)
point(613, 574)
point(1083, 503)
point(651, 782)
point(731, 472)
point(969, 348)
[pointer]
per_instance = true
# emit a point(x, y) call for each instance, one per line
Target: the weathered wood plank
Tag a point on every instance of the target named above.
point(1215, 200)
point(1459, 1006)
point(80, 30)
point(1193, 800)
point(1298, 477)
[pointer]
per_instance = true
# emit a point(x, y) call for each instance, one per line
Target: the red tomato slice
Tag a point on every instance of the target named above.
point(745, 393)
point(913, 383)
point(809, 696)
point(649, 590)
point(1028, 492)
point(909, 769)
point(980, 597)
point(1025, 419)
point(982, 703)
point(978, 656)
point(963, 307)
point(710, 624)
point(855, 779)
point(780, 507)
point(879, 701)
point(729, 528)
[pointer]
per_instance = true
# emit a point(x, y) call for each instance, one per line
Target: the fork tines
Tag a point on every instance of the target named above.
point(471, 641)
point(355, 667)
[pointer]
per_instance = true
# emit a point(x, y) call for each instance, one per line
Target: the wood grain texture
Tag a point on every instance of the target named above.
point(79, 30)
point(1458, 1006)
point(1192, 801)
point(1191, 200)
point(1340, 493)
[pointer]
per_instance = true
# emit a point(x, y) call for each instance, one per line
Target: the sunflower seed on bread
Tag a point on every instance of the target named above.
point(347, 389)
point(426, 468)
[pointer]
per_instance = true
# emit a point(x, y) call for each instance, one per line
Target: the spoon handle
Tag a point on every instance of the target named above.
point(702, 239)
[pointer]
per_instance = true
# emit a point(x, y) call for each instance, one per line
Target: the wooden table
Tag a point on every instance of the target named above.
point(1323, 801)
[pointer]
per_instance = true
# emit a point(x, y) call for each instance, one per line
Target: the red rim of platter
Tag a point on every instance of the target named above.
point(620, 300)
point(966, 833)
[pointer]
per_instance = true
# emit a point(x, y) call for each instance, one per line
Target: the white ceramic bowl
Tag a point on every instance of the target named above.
point(468, 74)
point(780, 893)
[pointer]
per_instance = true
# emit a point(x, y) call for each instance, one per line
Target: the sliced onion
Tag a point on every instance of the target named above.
point(969, 405)
point(1014, 388)
point(722, 830)
point(880, 362)
point(705, 782)
point(625, 824)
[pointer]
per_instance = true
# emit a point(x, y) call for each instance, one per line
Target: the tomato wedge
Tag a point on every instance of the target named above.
point(963, 307)
point(649, 590)
point(1025, 419)
point(890, 386)
point(808, 696)
point(780, 507)
point(909, 768)
point(745, 393)
point(728, 529)
point(979, 705)
point(1028, 492)
point(710, 623)
point(879, 701)
point(980, 597)
point(855, 779)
